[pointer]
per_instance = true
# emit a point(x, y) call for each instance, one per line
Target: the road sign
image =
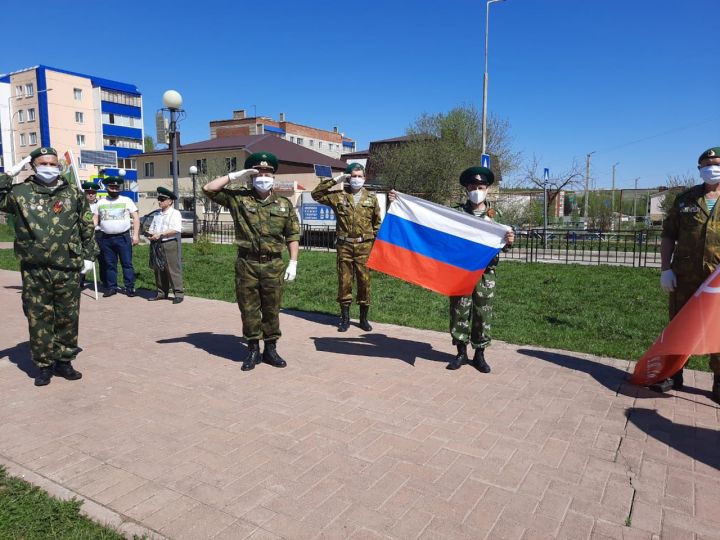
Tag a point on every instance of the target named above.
point(485, 160)
point(546, 174)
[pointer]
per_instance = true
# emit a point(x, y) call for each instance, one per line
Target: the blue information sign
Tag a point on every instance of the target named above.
point(485, 160)
point(317, 212)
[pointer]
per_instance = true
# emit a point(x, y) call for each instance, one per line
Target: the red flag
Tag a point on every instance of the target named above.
point(694, 330)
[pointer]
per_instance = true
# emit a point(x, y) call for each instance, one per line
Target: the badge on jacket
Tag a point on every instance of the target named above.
point(58, 207)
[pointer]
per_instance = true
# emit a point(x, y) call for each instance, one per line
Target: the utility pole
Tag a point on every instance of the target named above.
point(635, 201)
point(587, 183)
point(612, 201)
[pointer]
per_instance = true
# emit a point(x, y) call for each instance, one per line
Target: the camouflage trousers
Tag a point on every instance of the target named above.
point(470, 316)
point(678, 298)
point(258, 287)
point(352, 260)
point(51, 302)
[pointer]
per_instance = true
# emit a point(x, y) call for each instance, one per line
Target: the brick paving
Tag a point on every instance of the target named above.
point(361, 436)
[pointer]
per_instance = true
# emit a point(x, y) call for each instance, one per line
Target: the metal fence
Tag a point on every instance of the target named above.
point(639, 248)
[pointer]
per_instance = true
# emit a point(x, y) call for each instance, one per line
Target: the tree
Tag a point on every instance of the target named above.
point(148, 143)
point(209, 170)
point(557, 183)
point(439, 148)
point(676, 184)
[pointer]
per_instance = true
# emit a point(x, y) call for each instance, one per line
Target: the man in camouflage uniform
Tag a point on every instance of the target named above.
point(690, 250)
point(54, 240)
point(264, 224)
point(357, 215)
point(470, 316)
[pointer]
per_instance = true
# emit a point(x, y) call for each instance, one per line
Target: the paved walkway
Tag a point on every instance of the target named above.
point(361, 436)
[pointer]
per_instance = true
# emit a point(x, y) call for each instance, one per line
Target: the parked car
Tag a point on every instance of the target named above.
point(187, 222)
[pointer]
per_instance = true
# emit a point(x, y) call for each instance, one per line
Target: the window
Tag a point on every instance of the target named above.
point(33, 138)
point(319, 145)
point(29, 89)
point(79, 117)
point(311, 142)
point(18, 90)
point(292, 138)
point(126, 163)
point(31, 115)
point(21, 116)
point(231, 164)
point(201, 165)
point(80, 140)
point(120, 120)
point(300, 140)
point(149, 170)
point(121, 97)
point(77, 92)
point(23, 140)
point(122, 142)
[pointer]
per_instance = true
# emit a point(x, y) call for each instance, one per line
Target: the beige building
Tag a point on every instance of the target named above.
point(44, 106)
point(216, 157)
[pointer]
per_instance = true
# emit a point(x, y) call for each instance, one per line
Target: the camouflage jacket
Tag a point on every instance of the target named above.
point(353, 220)
point(696, 233)
point(261, 227)
point(53, 225)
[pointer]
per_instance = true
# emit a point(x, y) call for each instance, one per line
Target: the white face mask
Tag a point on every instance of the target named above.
point(356, 182)
point(263, 183)
point(710, 174)
point(47, 173)
point(477, 196)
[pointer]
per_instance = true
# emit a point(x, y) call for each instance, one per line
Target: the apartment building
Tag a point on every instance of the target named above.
point(47, 106)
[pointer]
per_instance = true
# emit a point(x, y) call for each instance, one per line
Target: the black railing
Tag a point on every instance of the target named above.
point(217, 232)
point(317, 237)
point(628, 248)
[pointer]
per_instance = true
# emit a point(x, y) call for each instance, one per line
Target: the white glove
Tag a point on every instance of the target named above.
point(668, 281)
point(291, 271)
point(87, 266)
point(15, 169)
point(242, 174)
point(341, 177)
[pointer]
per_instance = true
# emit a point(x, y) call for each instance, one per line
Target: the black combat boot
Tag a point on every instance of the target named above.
point(715, 389)
point(43, 378)
point(270, 355)
point(344, 318)
point(65, 369)
point(673, 383)
point(253, 355)
point(364, 324)
point(460, 358)
point(479, 361)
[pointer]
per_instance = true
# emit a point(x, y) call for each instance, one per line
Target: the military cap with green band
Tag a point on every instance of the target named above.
point(113, 181)
point(262, 160)
point(354, 167)
point(710, 153)
point(165, 192)
point(90, 186)
point(468, 176)
point(43, 151)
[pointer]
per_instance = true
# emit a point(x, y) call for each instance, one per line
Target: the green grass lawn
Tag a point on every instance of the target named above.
point(29, 513)
point(602, 310)
point(6, 233)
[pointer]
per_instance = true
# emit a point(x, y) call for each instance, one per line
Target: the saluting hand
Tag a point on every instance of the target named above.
point(15, 169)
point(242, 174)
point(341, 177)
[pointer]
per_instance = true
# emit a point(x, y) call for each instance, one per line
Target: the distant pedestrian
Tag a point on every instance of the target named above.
point(54, 240)
point(120, 225)
point(91, 189)
point(357, 214)
point(690, 251)
point(164, 250)
point(264, 224)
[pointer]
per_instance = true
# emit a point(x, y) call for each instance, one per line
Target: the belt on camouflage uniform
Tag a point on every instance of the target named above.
point(357, 240)
point(259, 257)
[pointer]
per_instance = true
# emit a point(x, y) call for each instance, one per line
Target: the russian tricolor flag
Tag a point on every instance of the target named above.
point(434, 246)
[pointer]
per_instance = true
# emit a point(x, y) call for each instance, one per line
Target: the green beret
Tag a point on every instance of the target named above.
point(262, 160)
point(166, 192)
point(710, 153)
point(113, 181)
point(354, 167)
point(43, 151)
point(90, 186)
point(468, 176)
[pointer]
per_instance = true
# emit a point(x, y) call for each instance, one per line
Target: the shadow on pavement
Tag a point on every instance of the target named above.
point(699, 443)
point(20, 356)
point(314, 316)
point(226, 346)
point(381, 346)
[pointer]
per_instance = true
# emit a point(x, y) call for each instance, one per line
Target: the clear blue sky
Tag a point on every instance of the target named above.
point(571, 76)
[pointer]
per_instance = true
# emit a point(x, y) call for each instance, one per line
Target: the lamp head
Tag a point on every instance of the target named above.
point(193, 169)
point(172, 99)
point(122, 173)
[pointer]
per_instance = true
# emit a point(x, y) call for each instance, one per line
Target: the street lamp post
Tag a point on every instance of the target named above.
point(485, 77)
point(121, 174)
point(635, 201)
point(587, 183)
point(193, 172)
point(173, 101)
